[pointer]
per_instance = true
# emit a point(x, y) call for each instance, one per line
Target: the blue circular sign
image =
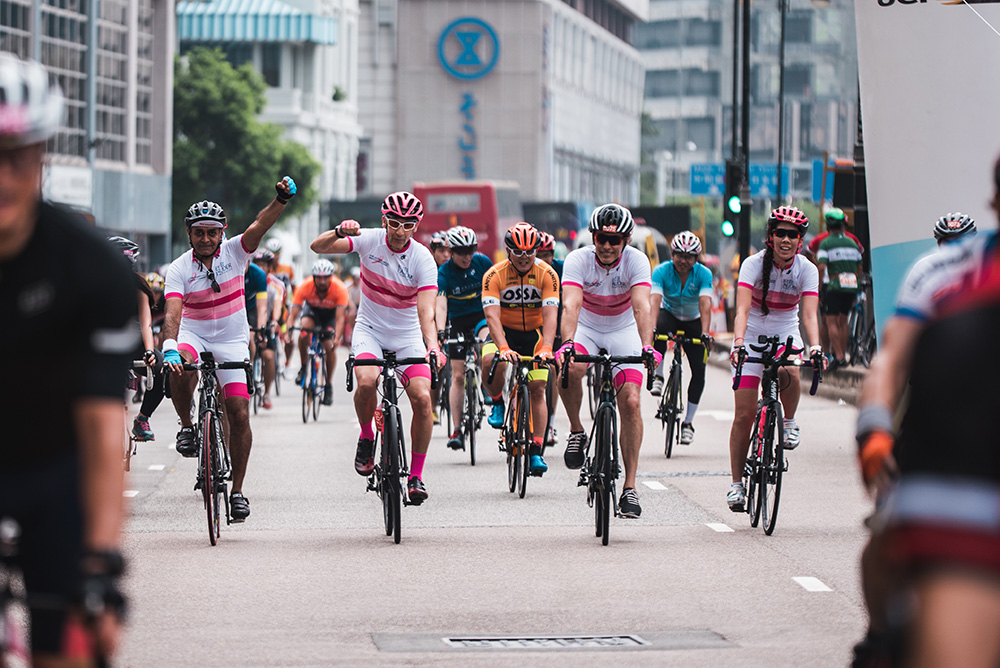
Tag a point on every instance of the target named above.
point(468, 48)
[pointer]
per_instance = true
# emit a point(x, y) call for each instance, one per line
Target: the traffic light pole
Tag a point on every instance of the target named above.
point(744, 228)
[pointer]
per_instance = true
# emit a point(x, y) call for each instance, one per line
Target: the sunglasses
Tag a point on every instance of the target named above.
point(468, 250)
point(782, 233)
point(610, 239)
point(393, 224)
point(683, 256)
point(215, 284)
point(520, 253)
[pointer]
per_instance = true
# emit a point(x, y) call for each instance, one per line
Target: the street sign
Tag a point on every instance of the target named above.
point(817, 181)
point(708, 178)
point(764, 180)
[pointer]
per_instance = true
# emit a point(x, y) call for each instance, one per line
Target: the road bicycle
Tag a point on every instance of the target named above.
point(593, 391)
point(517, 435)
point(214, 464)
point(861, 341)
point(257, 371)
point(129, 446)
point(671, 406)
point(314, 373)
point(766, 462)
point(601, 466)
point(444, 398)
point(473, 409)
point(392, 471)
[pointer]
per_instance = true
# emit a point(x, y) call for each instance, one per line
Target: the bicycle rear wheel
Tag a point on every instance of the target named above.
point(307, 392)
point(471, 408)
point(391, 490)
point(523, 438)
point(602, 467)
point(751, 482)
point(206, 463)
point(672, 393)
point(772, 466)
point(258, 383)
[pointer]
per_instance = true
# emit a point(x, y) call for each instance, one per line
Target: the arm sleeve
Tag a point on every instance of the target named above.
point(174, 285)
point(706, 289)
point(427, 271)
point(657, 278)
point(750, 272)
point(550, 287)
point(573, 269)
point(442, 282)
point(640, 269)
point(299, 297)
point(810, 278)
point(491, 288)
point(240, 252)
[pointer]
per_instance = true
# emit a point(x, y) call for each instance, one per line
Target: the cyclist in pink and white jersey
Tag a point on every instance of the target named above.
point(772, 283)
point(606, 305)
point(399, 286)
point(206, 312)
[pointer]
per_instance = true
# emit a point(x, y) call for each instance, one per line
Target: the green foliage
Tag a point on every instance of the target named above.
point(222, 152)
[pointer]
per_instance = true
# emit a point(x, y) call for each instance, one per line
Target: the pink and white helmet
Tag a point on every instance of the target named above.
point(686, 242)
point(403, 206)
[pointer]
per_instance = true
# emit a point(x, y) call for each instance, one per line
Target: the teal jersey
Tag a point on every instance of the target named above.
point(682, 302)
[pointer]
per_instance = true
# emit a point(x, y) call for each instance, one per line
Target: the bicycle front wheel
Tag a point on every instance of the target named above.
point(319, 384)
point(511, 444)
point(751, 477)
point(307, 394)
point(206, 463)
point(670, 409)
point(772, 466)
point(391, 489)
point(523, 438)
point(258, 383)
point(601, 477)
point(471, 409)
point(593, 392)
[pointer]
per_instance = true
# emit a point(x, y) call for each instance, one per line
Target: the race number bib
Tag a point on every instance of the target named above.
point(848, 281)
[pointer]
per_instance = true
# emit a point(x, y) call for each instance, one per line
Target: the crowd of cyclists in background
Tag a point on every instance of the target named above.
point(935, 528)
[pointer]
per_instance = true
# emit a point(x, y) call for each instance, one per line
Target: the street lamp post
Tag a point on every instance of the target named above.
point(744, 230)
point(783, 8)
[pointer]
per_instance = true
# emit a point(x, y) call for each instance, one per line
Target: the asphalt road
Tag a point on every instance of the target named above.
point(311, 579)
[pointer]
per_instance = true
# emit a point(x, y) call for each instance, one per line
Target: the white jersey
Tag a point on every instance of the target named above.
point(390, 281)
point(212, 316)
point(943, 272)
point(787, 287)
point(607, 292)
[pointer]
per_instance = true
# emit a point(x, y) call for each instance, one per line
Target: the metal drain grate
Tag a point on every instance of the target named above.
point(548, 642)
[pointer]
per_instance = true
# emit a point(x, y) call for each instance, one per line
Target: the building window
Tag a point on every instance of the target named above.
point(658, 35)
point(15, 27)
point(698, 83)
point(701, 131)
point(703, 33)
point(63, 37)
point(798, 27)
point(144, 84)
point(112, 83)
point(663, 83)
point(798, 79)
point(270, 64)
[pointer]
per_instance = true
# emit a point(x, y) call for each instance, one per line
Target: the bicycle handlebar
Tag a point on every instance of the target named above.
point(647, 361)
point(771, 344)
point(522, 359)
point(224, 366)
point(148, 380)
point(405, 361)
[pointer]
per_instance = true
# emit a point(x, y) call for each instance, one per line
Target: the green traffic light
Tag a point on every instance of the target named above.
point(727, 228)
point(734, 204)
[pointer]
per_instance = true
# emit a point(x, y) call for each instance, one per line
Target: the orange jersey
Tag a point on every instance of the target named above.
point(306, 293)
point(521, 298)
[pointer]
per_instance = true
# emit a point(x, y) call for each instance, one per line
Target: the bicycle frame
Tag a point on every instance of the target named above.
point(671, 405)
point(472, 403)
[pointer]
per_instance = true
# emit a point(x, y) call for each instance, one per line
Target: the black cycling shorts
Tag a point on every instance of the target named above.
point(45, 502)
point(467, 324)
point(835, 302)
point(322, 317)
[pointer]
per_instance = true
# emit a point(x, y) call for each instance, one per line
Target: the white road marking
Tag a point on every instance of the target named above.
point(654, 484)
point(812, 584)
point(129, 493)
point(721, 416)
point(157, 467)
point(721, 528)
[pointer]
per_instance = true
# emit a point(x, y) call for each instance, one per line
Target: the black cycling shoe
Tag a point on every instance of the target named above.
point(239, 506)
point(576, 446)
point(416, 491)
point(457, 440)
point(300, 375)
point(186, 446)
point(327, 396)
point(364, 459)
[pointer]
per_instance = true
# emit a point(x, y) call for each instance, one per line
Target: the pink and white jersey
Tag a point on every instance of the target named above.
point(213, 316)
point(607, 292)
point(390, 281)
point(786, 290)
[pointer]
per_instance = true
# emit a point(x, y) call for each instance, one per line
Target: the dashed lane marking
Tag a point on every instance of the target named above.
point(157, 467)
point(721, 528)
point(654, 484)
point(812, 584)
point(129, 493)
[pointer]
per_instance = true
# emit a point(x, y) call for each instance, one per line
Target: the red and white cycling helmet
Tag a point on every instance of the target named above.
point(403, 206)
point(548, 243)
point(686, 242)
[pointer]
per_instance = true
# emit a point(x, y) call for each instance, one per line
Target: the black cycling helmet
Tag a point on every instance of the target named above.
point(951, 226)
point(128, 248)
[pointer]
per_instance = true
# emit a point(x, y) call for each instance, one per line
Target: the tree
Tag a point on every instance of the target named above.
point(222, 152)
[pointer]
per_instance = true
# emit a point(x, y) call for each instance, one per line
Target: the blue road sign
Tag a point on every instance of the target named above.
point(817, 181)
point(764, 180)
point(708, 178)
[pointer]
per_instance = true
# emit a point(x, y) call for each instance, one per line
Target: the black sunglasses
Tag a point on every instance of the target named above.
point(782, 233)
point(680, 255)
point(610, 239)
point(211, 277)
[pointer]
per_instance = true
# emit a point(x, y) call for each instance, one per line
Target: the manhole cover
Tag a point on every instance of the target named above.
point(676, 639)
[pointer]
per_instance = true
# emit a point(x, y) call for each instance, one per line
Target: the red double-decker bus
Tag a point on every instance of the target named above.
point(487, 207)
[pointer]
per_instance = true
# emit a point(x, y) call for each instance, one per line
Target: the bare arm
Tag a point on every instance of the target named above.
point(145, 322)
point(643, 314)
point(172, 318)
point(744, 297)
point(441, 307)
point(492, 314)
point(425, 311)
point(572, 299)
point(268, 216)
point(655, 301)
point(261, 304)
point(705, 311)
point(810, 318)
point(338, 325)
point(550, 315)
point(100, 429)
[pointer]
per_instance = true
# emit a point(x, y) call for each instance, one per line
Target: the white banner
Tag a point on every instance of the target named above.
point(929, 73)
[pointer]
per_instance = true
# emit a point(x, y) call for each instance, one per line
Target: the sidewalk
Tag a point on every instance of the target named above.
point(844, 384)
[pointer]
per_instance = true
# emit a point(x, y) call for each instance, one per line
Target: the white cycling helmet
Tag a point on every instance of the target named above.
point(461, 237)
point(686, 242)
point(30, 109)
point(323, 268)
point(612, 218)
point(274, 245)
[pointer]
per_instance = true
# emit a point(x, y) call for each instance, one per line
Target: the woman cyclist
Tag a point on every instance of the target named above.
point(771, 285)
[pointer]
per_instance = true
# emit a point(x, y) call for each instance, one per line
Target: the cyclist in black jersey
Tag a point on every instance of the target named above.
point(69, 308)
